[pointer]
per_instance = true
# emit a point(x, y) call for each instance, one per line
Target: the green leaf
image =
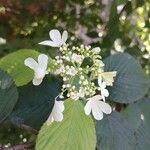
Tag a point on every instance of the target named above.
point(144, 106)
point(138, 117)
point(14, 65)
point(114, 133)
point(75, 132)
point(35, 102)
point(142, 135)
point(130, 83)
point(132, 114)
point(139, 108)
point(8, 95)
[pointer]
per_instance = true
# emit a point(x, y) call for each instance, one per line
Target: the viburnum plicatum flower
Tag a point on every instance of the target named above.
point(57, 112)
point(107, 77)
point(39, 68)
point(102, 88)
point(56, 39)
point(97, 107)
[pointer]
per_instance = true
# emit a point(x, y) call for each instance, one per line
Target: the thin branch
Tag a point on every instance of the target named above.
point(28, 128)
point(25, 146)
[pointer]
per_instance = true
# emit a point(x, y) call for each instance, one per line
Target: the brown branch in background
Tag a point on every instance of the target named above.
point(26, 146)
point(125, 7)
point(28, 128)
point(81, 31)
point(81, 34)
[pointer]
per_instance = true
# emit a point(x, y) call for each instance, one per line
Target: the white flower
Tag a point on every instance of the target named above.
point(57, 112)
point(97, 107)
point(81, 92)
point(108, 77)
point(102, 88)
point(72, 71)
point(40, 68)
point(56, 39)
point(76, 95)
point(76, 58)
point(96, 50)
point(60, 70)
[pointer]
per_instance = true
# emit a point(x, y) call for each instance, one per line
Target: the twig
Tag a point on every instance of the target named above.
point(28, 128)
point(25, 146)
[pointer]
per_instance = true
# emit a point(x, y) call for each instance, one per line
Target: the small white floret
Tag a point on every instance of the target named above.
point(96, 50)
point(76, 58)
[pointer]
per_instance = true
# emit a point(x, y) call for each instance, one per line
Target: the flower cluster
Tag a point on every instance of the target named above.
point(83, 76)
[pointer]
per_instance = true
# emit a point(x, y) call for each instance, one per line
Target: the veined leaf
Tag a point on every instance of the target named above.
point(75, 132)
point(138, 117)
point(8, 95)
point(114, 133)
point(35, 102)
point(14, 65)
point(130, 83)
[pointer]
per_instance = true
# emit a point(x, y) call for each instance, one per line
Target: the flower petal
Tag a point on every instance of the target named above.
point(55, 36)
point(43, 61)
point(106, 108)
point(31, 63)
point(101, 84)
point(105, 92)
point(88, 108)
point(98, 114)
point(49, 43)
point(59, 106)
point(50, 120)
point(64, 36)
point(95, 98)
point(58, 116)
point(108, 77)
point(36, 81)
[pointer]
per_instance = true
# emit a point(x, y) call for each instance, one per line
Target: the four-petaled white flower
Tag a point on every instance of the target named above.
point(108, 77)
point(57, 112)
point(40, 68)
point(56, 39)
point(102, 88)
point(97, 107)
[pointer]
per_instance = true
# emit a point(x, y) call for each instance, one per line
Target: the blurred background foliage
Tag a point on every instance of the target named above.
point(114, 25)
